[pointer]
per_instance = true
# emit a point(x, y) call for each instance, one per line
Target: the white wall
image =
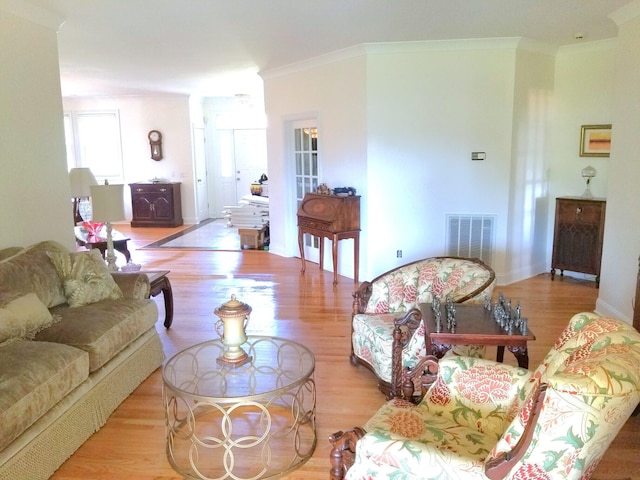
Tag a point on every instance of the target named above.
point(35, 197)
point(622, 231)
point(428, 106)
point(333, 90)
point(171, 115)
point(428, 109)
point(526, 254)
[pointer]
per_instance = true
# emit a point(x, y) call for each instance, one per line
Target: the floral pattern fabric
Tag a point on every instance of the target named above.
point(407, 287)
point(477, 409)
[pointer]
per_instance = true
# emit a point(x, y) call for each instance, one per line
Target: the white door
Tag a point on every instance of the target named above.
point(228, 178)
point(250, 153)
point(306, 174)
point(202, 194)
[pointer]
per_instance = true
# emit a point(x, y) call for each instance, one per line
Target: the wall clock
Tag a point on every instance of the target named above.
point(155, 142)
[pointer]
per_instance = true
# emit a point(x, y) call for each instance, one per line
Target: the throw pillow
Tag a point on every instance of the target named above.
point(22, 315)
point(85, 277)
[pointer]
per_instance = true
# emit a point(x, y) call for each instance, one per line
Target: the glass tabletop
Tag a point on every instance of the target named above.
point(276, 363)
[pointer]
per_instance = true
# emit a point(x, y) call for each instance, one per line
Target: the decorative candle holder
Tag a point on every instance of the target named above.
point(234, 316)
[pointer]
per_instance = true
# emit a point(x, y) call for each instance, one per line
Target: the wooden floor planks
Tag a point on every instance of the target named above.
point(307, 309)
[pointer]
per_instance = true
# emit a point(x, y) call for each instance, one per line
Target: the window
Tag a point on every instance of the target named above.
point(93, 141)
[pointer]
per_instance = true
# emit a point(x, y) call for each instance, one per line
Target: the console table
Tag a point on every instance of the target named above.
point(333, 217)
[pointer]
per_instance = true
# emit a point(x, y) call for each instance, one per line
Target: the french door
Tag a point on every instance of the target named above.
point(307, 174)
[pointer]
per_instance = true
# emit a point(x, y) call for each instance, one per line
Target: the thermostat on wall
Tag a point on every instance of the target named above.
point(478, 155)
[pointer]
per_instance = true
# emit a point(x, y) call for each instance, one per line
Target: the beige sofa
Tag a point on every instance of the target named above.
point(75, 341)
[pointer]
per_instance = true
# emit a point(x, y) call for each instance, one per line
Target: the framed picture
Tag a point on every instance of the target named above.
point(595, 140)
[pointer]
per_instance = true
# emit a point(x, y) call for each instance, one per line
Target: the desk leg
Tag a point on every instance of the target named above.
point(321, 263)
point(301, 247)
point(163, 285)
point(521, 354)
point(334, 254)
point(500, 354)
point(356, 257)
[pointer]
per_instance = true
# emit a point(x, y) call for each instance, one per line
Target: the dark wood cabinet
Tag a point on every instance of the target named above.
point(332, 217)
point(156, 204)
point(578, 234)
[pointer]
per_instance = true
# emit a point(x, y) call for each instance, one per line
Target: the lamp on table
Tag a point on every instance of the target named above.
point(108, 206)
point(81, 179)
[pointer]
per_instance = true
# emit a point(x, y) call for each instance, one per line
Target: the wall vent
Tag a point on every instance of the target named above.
point(471, 236)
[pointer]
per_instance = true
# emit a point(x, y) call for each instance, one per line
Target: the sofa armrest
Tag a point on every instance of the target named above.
point(361, 297)
point(132, 284)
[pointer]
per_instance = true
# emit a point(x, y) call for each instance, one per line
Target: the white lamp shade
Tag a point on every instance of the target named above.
point(81, 179)
point(108, 202)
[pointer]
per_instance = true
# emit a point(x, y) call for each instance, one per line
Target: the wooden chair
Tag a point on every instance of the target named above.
point(385, 318)
point(481, 419)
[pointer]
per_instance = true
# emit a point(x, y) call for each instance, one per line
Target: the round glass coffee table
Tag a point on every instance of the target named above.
point(256, 420)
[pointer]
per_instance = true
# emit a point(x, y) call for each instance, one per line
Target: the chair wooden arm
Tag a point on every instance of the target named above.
point(343, 451)
point(404, 328)
point(424, 374)
point(361, 297)
point(498, 467)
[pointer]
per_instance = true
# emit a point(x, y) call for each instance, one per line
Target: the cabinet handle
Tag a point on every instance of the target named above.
point(163, 190)
point(139, 190)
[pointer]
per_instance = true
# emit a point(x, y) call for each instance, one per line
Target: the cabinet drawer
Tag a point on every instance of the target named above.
point(587, 213)
point(151, 188)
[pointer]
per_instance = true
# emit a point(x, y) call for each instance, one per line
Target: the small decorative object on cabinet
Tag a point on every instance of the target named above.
point(577, 238)
point(156, 204)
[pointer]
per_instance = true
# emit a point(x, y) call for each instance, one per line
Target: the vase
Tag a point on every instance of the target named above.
point(234, 316)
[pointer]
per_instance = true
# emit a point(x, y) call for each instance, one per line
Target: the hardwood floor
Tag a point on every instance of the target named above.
point(307, 309)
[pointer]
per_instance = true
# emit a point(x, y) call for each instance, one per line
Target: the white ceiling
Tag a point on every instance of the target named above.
point(217, 47)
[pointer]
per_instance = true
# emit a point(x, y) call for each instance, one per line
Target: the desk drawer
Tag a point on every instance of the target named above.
point(315, 224)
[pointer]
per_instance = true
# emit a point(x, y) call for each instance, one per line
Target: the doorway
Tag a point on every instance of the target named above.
point(306, 174)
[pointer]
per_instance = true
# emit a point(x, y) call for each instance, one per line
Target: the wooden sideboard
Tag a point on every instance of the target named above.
point(156, 204)
point(332, 217)
point(578, 234)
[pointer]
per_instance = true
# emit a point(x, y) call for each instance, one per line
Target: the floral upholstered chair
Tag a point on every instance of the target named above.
point(481, 419)
point(388, 303)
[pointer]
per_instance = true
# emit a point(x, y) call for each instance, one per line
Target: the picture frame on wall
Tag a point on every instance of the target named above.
point(595, 140)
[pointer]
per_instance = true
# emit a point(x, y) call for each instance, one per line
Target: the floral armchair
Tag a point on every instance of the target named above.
point(387, 304)
point(481, 419)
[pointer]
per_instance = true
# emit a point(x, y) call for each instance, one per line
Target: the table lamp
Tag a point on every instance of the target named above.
point(588, 173)
point(81, 179)
point(108, 206)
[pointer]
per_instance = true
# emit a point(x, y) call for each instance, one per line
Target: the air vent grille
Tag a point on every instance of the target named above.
point(471, 236)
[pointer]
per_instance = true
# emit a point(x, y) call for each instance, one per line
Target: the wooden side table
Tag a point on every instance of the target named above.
point(160, 284)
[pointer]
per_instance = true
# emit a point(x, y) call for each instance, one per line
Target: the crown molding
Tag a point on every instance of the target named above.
point(386, 48)
point(33, 13)
point(596, 46)
point(626, 13)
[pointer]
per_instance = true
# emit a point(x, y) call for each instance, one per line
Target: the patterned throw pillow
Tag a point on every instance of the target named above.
point(22, 315)
point(85, 277)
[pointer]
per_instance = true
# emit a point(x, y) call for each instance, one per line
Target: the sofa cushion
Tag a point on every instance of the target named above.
point(85, 277)
point(34, 377)
point(103, 328)
point(22, 315)
point(30, 270)
point(9, 252)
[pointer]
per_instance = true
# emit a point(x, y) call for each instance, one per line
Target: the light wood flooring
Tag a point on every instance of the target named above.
point(306, 308)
